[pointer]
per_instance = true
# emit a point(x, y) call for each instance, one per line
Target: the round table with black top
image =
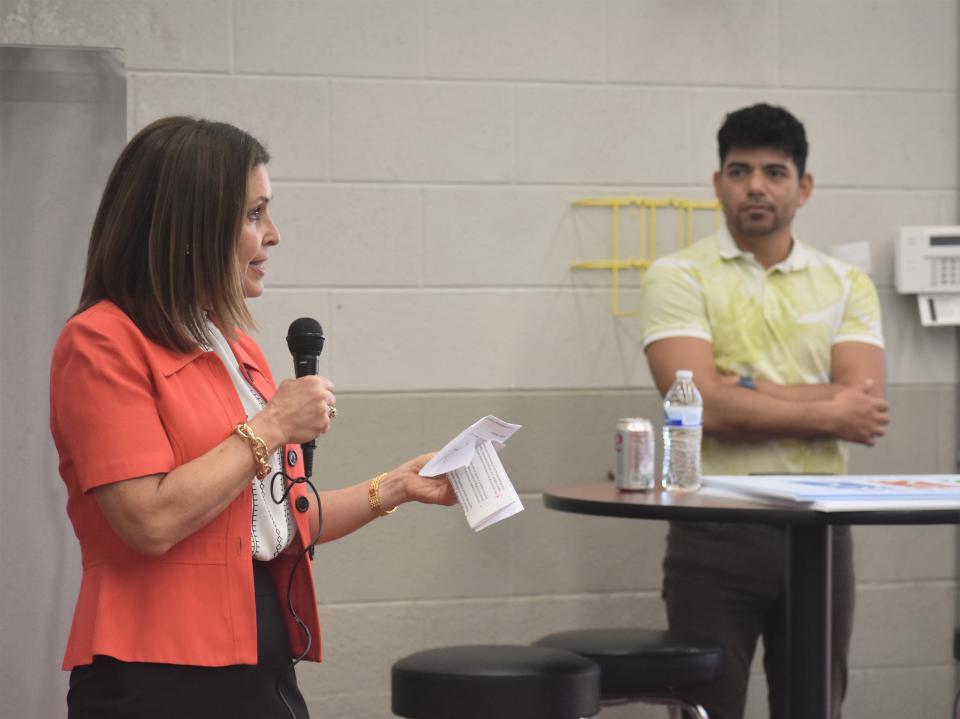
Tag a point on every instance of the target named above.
point(809, 558)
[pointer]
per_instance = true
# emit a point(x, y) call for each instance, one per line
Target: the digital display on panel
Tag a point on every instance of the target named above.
point(944, 240)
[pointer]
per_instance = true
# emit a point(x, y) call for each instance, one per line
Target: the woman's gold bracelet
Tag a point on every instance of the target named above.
point(258, 446)
point(373, 497)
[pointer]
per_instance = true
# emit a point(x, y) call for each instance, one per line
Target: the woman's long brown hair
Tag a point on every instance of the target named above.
point(163, 244)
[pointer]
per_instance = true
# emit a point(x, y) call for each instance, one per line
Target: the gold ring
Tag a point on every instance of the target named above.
point(333, 412)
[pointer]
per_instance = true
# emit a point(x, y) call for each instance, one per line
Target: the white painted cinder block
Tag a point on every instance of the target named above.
point(904, 553)
point(903, 624)
point(880, 139)
point(504, 39)
point(421, 132)
point(375, 38)
point(16, 22)
point(447, 339)
point(154, 34)
point(864, 44)
point(832, 217)
point(899, 692)
point(696, 42)
point(288, 115)
point(915, 354)
point(950, 208)
point(484, 340)
point(346, 236)
point(522, 237)
point(951, 48)
point(512, 237)
point(131, 104)
point(591, 134)
point(595, 554)
point(921, 438)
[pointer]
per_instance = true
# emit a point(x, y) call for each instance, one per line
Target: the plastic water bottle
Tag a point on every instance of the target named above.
point(682, 431)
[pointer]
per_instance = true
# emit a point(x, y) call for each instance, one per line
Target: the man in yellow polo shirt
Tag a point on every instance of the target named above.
point(786, 347)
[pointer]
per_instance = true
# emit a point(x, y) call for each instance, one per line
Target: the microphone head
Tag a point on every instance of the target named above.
point(305, 336)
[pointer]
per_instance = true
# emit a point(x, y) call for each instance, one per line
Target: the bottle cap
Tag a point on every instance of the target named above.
point(684, 374)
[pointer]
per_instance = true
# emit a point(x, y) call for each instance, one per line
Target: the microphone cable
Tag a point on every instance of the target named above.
point(305, 341)
point(288, 483)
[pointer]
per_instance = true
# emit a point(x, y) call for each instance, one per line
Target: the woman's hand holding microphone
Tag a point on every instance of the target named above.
point(300, 410)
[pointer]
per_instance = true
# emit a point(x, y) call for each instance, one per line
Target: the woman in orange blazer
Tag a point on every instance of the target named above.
point(179, 452)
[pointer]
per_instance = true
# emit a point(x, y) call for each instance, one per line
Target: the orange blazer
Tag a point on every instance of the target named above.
point(122, 406)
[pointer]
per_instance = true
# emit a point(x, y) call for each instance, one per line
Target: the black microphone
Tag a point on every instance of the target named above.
point(305, 342)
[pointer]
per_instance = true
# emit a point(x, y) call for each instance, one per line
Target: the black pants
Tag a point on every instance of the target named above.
point(727, 583)
point(112, 689)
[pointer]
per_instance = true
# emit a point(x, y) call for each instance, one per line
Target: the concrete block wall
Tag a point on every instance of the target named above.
point(426, 154)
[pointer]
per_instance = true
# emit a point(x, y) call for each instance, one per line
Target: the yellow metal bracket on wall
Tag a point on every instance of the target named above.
point(647, 250)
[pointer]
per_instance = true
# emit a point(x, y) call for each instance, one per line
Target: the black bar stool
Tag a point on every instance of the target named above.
point(644, 665)
point(495, 681)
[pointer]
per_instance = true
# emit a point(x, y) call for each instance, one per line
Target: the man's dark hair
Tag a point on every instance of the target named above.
point(764, 125)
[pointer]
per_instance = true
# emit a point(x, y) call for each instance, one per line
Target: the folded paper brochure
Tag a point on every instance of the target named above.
point(476, 473)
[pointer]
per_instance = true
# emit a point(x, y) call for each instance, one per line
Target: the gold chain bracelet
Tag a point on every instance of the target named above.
point(373, 497)
point(258, 446)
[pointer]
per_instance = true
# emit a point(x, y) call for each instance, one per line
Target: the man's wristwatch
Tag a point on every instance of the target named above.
point(746, 381)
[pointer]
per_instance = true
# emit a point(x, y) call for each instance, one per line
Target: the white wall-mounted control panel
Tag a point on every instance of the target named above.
point(928, 265)
point(928, 259)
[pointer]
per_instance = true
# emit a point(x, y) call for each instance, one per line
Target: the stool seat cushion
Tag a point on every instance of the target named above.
point(642, 661)
point(502, 681)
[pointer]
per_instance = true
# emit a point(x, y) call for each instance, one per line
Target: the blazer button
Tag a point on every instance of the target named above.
point(302, 504)
point(292, 458)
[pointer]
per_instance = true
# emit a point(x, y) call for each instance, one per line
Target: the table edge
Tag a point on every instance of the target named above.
point(558, 498)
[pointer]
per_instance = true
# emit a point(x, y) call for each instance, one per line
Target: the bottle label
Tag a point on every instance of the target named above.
point(683, 416)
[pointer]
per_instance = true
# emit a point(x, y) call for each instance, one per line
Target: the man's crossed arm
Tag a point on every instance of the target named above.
point(852, 407)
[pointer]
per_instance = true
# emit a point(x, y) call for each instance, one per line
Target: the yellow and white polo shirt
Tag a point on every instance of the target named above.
point(777, 324)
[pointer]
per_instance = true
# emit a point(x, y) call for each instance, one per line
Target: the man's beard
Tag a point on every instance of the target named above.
point(757, 228)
